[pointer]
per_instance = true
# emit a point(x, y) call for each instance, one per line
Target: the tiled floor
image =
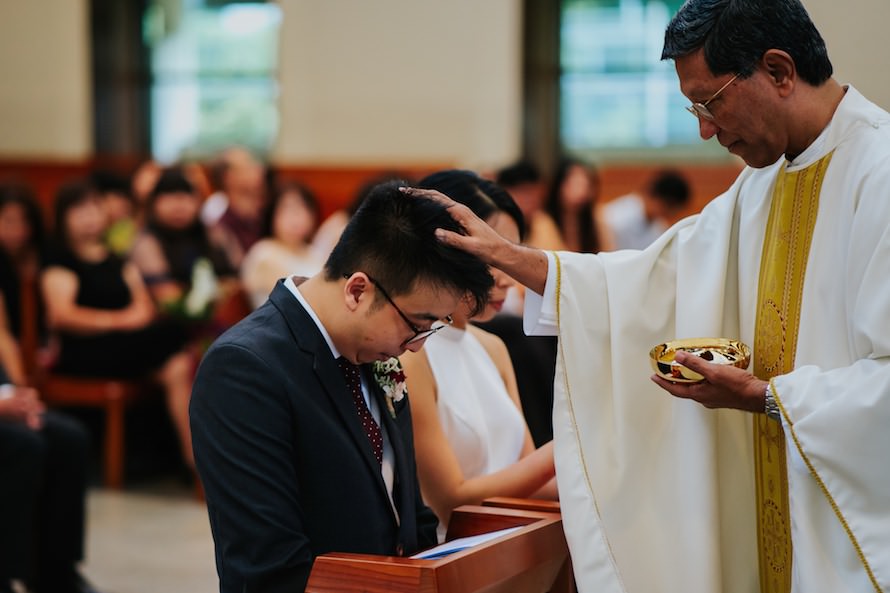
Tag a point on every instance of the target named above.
point(149, 541)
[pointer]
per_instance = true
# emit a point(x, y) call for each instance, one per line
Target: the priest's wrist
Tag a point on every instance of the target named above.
point(526, 265)
point(770, 405)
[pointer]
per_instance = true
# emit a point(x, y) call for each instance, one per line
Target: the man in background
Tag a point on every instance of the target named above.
point(637, 219)
point(44, 459)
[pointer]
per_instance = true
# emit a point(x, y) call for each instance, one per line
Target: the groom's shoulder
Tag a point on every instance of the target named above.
point(259, 332)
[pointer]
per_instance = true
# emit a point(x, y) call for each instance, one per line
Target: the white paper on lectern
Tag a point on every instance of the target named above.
point(462, 543)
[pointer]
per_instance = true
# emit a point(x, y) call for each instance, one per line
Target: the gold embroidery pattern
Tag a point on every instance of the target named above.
point(786, 246)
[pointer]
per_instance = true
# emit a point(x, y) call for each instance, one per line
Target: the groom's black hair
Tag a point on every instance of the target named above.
point(391, 237)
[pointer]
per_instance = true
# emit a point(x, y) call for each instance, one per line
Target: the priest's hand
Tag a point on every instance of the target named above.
point(526, 265)
point(481, 240)
point(724, 386)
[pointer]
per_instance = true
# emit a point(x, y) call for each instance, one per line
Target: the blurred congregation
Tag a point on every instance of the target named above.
point(128, 246)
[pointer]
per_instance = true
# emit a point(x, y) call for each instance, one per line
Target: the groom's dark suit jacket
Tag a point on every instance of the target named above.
point(287, 469)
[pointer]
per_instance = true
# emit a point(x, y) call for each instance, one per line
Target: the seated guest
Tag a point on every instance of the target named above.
point(302, 435)
point(21, 251)
point(523, 181)
point(43, 480)
point(10, 353)
point(637, 219)
point(288, 226)
point(470, 436)
point(186, 271)
point(573, 203)
point(142, 181)
point(235, 210)
point(102, 312)
point(117, 195)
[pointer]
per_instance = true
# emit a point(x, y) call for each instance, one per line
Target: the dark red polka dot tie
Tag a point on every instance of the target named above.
point(354, 383)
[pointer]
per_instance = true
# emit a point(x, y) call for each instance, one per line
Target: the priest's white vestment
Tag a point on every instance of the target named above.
point(658, 492)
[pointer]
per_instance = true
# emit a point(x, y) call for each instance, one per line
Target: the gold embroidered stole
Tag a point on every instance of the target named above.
point(786, 245)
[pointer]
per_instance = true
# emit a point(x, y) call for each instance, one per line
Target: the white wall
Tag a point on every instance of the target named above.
point(45, 87)
point(856, 33)
point(364, 82)
point(400, 81)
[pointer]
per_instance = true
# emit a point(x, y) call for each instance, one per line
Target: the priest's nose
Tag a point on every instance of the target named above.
point(707, 129)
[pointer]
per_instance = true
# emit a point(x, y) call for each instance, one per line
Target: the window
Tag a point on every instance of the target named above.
point(618, 99)
point(213, 71)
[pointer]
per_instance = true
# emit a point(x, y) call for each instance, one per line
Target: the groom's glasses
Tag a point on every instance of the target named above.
point(419, 334)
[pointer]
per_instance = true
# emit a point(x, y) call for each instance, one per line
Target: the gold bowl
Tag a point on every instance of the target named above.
point(714, 350)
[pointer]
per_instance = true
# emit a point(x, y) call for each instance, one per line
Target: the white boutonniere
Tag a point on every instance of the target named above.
point(391, 378)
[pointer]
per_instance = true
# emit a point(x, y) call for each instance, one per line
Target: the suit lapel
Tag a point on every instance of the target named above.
point(403, 493)
point(309, 339)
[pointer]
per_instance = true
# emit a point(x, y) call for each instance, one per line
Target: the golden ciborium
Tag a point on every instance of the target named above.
point(715, 350)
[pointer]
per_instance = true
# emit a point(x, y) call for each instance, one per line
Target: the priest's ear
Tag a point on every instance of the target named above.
point(781, 70)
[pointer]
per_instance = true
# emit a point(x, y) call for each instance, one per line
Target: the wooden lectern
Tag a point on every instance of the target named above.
point(532, 559)
point(525, 504)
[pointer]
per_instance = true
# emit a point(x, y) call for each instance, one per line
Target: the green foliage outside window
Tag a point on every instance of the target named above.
point(618, 99)
point(214, 72)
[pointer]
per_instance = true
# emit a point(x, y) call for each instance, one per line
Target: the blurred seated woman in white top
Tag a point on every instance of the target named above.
point(470, 437)
point(285, 249)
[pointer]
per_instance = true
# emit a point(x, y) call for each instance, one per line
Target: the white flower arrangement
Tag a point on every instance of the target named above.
point(391, 378)
point(205, 289)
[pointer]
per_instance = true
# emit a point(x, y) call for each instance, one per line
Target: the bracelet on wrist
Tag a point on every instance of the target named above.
point(770, 405)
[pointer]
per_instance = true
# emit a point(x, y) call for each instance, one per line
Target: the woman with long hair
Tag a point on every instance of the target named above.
point(470, 436)
point(572, 202)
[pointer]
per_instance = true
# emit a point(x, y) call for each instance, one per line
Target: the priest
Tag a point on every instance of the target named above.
point(770, 479)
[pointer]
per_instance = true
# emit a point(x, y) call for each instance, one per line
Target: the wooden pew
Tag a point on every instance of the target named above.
point(532, 559)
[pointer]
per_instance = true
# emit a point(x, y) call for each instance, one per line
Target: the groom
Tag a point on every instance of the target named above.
point(302, 452)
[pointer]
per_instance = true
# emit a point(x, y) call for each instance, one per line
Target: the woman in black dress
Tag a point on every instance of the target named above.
point(102, 313)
